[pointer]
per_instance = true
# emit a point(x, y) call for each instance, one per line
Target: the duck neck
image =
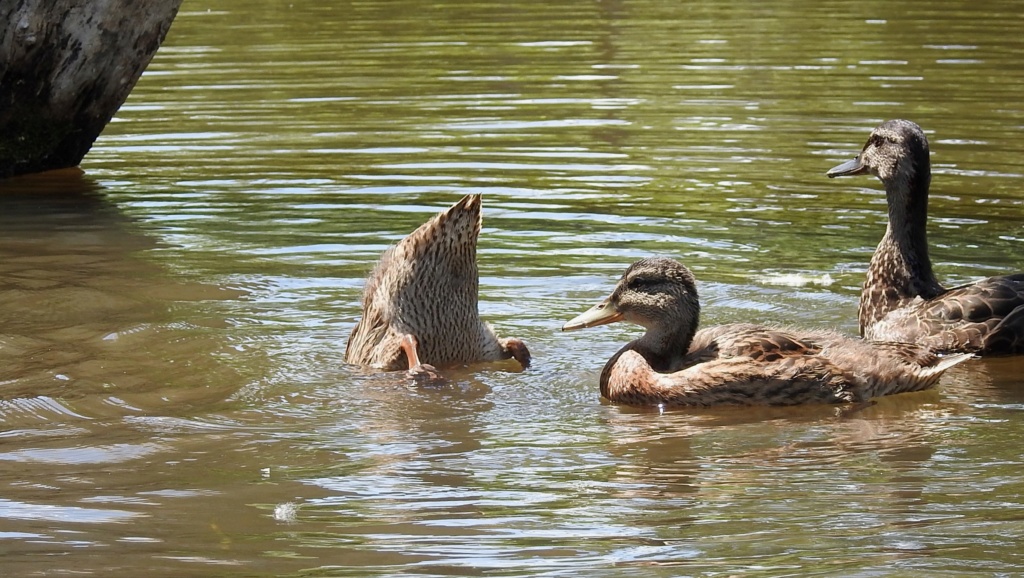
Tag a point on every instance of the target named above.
point(665, 345)
point(900, 269)
point(663, 350)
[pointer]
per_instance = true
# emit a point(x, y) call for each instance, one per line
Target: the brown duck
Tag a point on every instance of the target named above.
point(420, 302)
point(740, 364)
point(901, 299)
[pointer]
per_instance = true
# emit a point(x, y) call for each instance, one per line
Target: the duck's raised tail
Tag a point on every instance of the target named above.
point(944, 363)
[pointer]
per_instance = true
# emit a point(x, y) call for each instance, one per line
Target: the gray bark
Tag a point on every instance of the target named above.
point(66, 66)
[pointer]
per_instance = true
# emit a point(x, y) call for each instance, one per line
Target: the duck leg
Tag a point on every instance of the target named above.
point(515, 348)
point(422, 372)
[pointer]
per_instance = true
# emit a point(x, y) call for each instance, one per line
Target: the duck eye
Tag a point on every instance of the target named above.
point(640, 283)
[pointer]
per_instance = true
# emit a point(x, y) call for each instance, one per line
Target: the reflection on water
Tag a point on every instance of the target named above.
point(172, 322)
point(90, 327)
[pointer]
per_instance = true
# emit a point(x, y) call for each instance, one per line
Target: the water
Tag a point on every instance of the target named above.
point(173, 396)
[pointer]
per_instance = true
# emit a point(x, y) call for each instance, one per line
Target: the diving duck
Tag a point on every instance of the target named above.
point(420, 302)
point(673, 364)
point(901, 299)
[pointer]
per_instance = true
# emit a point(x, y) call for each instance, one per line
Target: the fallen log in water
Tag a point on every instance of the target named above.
point(66, 66)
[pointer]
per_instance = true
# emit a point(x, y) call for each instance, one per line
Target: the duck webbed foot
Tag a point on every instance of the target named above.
point(515, 348)
point(426, 374)
point(419, 372)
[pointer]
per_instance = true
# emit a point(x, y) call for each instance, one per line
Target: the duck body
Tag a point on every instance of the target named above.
point(901, 299)
point(420, 303)
point(740, 364)
point(985, 317)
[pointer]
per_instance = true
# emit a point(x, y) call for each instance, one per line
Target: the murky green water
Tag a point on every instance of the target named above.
point(172, 323)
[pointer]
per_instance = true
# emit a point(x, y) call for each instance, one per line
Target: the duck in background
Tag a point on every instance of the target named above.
point(673, 364)
point(901, 299)
point(420, 302)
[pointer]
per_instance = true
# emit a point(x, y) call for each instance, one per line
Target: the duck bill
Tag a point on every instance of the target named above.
point(854, 167)
point(601, 314)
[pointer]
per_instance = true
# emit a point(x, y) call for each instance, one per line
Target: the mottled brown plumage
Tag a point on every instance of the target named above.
point(901, 299)
point(743, 363)
point(420, 301)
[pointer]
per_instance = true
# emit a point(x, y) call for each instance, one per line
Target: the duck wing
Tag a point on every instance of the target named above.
point(845, 370)
point(374, 341)
point(984, 317)
point(757, 342)
point(886, 368)
point(732, 381)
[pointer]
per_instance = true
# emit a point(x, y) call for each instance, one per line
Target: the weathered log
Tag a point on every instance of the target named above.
point(66, 66)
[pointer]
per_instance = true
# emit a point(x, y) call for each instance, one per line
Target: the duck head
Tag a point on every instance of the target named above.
point(658, 294)
point(896, 151)
point(900, 270)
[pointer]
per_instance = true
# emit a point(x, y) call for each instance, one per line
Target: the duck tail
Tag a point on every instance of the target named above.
point(944, 363)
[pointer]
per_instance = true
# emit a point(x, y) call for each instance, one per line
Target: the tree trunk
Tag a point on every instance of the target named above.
point(66, 66)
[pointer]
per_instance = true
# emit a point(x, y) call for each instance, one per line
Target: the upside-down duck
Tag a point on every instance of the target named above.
point(901, 299)
point(420, 308)
point(673, 364)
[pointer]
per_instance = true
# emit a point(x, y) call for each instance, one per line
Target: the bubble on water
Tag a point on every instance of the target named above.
point(796, 279)
point(286, 512)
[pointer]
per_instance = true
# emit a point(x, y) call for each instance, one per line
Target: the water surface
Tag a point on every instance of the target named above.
point(173, 395)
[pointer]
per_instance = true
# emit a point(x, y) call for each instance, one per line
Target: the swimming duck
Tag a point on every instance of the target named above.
point(901, 299)
point(744, 363)
point(420, 302)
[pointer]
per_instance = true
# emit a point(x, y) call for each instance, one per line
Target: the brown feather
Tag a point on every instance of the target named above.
point(901, 299)
point(744, 363)
point(426, 287)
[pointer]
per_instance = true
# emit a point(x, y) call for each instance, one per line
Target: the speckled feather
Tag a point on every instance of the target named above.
point(901, 299)
point(743, 363)
point(426, 286)
point(983, 317)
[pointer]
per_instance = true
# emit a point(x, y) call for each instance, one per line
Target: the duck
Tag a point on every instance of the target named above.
point(901, 299)
point(744, 364)
point(420, 302)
